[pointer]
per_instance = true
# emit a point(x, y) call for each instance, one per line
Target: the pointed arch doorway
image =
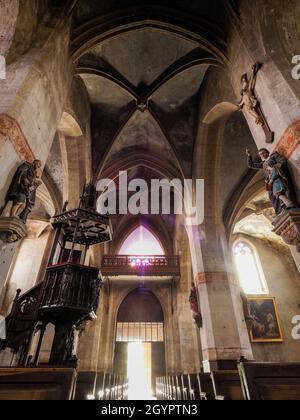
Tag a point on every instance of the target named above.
point(140, 343)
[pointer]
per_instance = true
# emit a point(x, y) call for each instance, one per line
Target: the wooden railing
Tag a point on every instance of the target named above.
point(71, 286)
point(68, 291)
point(22, 319)
point(148, 266)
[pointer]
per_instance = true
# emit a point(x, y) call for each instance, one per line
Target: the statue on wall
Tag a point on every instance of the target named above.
point(250, 103)
point(89, 197)
point(21, 195)
point(195, 306)
point(279, 184)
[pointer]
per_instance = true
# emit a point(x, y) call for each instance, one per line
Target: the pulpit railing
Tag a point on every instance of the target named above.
point(71, 286)
point(21, 320)
point(69, 294)
point(125, 265)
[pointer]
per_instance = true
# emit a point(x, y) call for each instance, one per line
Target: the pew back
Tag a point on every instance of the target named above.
point(206, 387)
point(227, 385)
point(37, 384)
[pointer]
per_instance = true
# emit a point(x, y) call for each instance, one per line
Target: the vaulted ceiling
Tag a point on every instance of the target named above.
point(143, 64)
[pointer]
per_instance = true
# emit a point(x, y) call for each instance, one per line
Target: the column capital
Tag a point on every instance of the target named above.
point(214, 277)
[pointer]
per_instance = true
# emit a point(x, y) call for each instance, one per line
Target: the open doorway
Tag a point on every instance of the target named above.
point(140, 347)
point(139, 371)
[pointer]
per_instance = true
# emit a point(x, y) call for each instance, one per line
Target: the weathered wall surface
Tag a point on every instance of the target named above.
point(282, 278)
point(9, 11)
point(38, 79)
point(24, 274)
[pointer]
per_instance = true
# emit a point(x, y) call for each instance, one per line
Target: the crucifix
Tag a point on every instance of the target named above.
point(251, 104)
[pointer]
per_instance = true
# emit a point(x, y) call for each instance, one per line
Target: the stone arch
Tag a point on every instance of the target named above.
point(153, 298)
point(69, 126)
point(70, 138)
point(95, 31)
point(136, 116)
point(156, 226)
point(219, 111)
point(121, 296)
point(135, 226)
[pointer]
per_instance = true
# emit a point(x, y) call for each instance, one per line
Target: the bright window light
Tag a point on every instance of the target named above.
point(139, 372)
point(250, 272)
point(141, 242)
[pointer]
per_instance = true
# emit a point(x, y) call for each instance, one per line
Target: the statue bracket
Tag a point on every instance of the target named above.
point(288, 227)
point(12, 229)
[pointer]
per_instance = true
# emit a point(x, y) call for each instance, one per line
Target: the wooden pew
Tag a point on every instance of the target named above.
point(227, 385)
point(169, 388)
point(85, 385)
point(185, 387)
point(161, 392)
point(270, 381)
point(194, 389)
point(173, 388)
point(207, 392)
point(108, 386)
point(180, 395)
point(100, 385)
point(37, 384)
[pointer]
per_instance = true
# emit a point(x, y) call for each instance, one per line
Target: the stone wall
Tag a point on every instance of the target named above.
point(24, 273)
point(283, 282)
point(8, 20)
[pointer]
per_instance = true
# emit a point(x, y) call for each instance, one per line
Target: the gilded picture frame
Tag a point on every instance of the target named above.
point(264, 322)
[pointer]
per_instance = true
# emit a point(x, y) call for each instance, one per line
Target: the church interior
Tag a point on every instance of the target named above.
point(150, 304)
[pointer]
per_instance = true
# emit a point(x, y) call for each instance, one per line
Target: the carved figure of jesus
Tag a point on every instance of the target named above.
point(249, 101)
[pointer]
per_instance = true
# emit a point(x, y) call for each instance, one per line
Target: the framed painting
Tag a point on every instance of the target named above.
point(264, 323)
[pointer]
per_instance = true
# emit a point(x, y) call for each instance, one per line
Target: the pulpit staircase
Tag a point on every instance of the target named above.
point(69, 293)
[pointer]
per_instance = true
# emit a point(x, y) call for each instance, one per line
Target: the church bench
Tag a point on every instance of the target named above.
point(85, 385)
point(185, 387)
point(194, 389)
point(270, 381)
point(37, 384)
point(166, 388)
point(227, 385)
point(160, 388)
point(206, 387)
point(173, 386)
point(180, 395)
point(108, 386)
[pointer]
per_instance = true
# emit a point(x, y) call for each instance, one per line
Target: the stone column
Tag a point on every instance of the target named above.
point(224, 336)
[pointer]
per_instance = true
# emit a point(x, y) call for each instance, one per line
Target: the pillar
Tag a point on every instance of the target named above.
point(224, 336)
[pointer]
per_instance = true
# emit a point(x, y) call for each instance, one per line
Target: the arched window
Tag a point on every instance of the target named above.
point(249, 269)
point(141, 242)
